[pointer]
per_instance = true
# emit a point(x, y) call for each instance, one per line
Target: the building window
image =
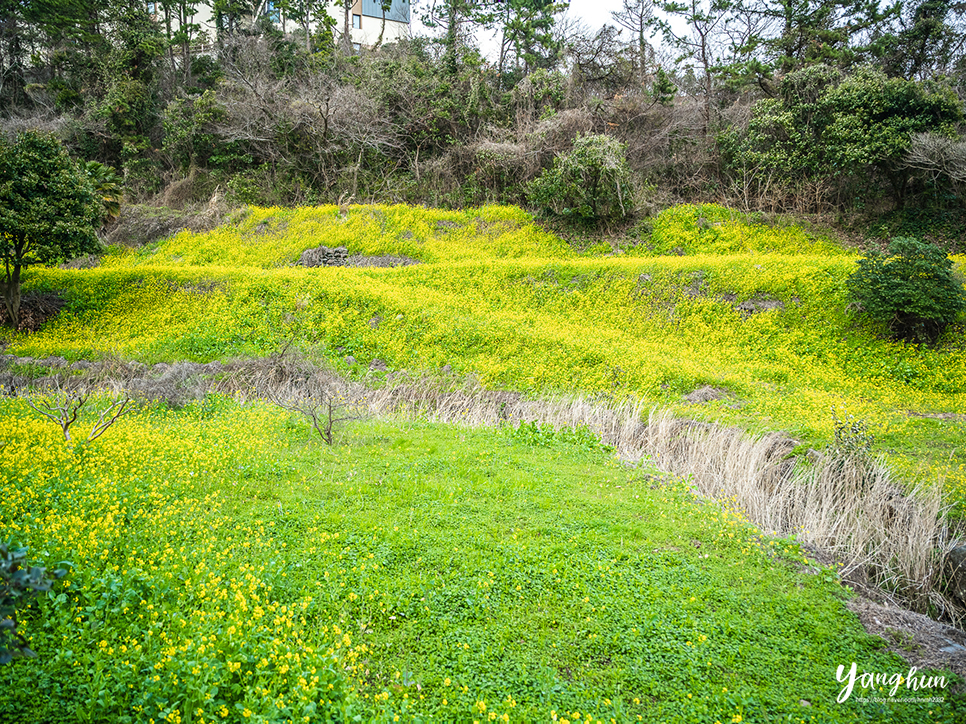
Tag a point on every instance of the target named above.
point(357, 21)
point(272, 12)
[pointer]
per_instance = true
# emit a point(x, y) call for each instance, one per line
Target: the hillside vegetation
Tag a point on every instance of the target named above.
point(711, 298)
point(226, 565)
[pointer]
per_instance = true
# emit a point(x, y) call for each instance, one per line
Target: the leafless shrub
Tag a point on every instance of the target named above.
point(555, 135)
point(306, 123)
point(46, 122)
point(174, 384)
point(938, 157)
point(140, 224)
point(296, 385)
point(64, 398)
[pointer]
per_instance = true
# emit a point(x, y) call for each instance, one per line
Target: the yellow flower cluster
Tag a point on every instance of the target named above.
point(168, 592)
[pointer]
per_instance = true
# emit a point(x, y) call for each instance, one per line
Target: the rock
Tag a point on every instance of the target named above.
point(377, 365)
point(160, 367)
point(324, 256)
point(213, 367)
point(446, 369)
point(54, 362)
point(956, 573)
point(350, 360)
point(81, 365)
point(374, 322)
point(389, 260)
point(758, 304)
point(24, 360)
point(705, 394)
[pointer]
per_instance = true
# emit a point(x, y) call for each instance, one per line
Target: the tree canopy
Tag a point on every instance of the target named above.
point(48, 210)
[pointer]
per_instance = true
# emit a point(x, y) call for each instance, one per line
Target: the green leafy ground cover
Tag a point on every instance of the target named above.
point(227, 566)
point(713, 297)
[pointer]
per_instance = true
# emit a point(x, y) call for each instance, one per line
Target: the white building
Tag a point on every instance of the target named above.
point(366, 19)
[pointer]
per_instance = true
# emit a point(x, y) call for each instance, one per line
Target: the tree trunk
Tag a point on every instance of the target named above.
point(382, 29)
point(11, 295)
point(347, 27)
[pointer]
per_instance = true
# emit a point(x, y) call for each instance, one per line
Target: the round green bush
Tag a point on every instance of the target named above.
point(912, 291)
point(589, 183)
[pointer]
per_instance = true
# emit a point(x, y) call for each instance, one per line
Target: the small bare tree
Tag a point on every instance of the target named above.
point(296, 385)
point(63, 401)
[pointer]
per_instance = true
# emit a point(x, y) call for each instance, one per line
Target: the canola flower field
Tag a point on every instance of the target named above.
point(713, 297)
point(226, 566)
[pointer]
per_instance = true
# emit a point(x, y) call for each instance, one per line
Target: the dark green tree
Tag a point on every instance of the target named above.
point(528, 34)
point(637, 17)
point(48, 211)
point(826, 126)
point(927, 42)
point(912, 292)
point(458, 19)
point(797, 33)
point(698, 43)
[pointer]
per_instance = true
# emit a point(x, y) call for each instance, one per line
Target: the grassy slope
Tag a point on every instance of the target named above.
point(416, 570)
point(501, 299)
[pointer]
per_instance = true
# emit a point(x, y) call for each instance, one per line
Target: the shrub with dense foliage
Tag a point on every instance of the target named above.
point(19, 583)
point(589, 183)
point(912, 292)
point(47, 210)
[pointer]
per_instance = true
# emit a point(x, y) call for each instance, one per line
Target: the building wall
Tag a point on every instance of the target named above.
point(370, 20)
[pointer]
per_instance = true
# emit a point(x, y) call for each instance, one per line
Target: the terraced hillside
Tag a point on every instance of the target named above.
point(227, 565)
point(712, 300)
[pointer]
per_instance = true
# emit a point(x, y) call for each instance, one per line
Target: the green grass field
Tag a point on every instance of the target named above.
point(416, 570)
point(228, 566)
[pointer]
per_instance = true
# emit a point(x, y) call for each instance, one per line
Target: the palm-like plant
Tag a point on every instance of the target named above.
point(107, 188)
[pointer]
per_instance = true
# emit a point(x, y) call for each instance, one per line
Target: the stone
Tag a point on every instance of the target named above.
point(377, 365)
point(350, 360)
point(55, 362)
point(324, 256)
point(81, 364)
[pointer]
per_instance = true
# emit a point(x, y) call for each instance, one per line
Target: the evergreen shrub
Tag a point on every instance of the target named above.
point(912, 291)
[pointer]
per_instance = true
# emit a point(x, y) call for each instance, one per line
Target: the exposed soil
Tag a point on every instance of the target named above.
point(36, 309)
point(921, 641)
